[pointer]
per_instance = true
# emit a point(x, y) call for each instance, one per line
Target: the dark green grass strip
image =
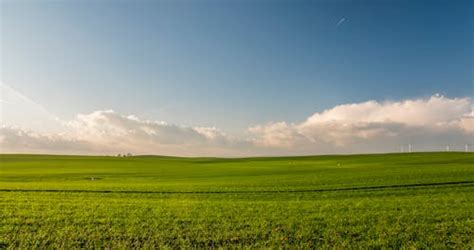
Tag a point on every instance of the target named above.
point(401, 186)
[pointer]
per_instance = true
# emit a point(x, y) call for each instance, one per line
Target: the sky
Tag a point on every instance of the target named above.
point(235, 78)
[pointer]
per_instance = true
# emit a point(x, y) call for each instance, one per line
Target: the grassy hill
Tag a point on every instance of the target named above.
point(394, 200)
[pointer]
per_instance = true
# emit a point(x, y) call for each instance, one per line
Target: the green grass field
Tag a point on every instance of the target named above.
point(416, 200)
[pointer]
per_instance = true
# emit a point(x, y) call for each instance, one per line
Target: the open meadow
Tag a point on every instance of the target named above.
point(422, 200)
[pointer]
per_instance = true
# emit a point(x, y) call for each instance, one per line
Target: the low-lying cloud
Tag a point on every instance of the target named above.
point(427, 124)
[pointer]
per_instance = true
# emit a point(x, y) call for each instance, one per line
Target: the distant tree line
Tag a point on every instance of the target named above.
point(124, 155)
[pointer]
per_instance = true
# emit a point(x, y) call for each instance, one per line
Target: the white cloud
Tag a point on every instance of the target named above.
point(107, 125)
point(16, 140)
point(466, 122)
point(428, 124)
point(107, 132)
point(275, 134)
point(437, 110)
point(375, 126)
point(111, 129)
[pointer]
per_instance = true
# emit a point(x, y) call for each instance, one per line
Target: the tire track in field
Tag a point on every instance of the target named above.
point(399, 186)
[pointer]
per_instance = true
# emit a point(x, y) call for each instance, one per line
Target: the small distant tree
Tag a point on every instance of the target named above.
point(119, 155)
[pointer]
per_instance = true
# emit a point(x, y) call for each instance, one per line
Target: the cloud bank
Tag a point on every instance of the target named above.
point(426, 123)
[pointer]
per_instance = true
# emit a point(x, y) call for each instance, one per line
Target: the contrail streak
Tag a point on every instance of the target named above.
point(27, 100)
point(340, 21)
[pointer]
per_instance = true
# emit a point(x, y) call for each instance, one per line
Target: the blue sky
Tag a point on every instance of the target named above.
point(233, 64)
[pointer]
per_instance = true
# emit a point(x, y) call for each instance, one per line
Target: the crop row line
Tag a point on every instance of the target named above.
point(415, 185)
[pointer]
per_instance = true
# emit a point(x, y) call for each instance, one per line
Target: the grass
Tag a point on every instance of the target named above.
point(421, 200)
